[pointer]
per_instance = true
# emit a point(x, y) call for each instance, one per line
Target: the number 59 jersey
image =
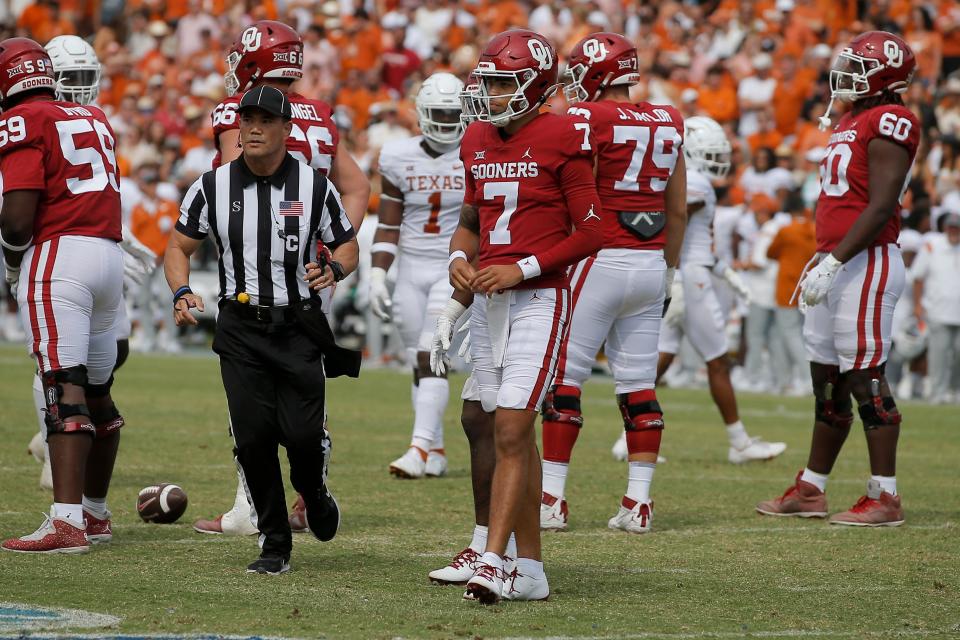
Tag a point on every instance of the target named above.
point(845, 171)
point(312, 140)
point(432, 191)
point(66, 152)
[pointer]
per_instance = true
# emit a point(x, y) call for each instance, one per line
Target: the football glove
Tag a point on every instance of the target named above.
point(12, 276)
point(443, 335)
point(380, 302)
point(723, 270)
point(668, 289)
point(138, 260)
point(673, 317)
point(814, 287)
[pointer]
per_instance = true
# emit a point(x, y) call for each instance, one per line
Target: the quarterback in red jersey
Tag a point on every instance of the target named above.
point(619, 293)
point(529, 181)
point(852, 291)
point(59, 227)
point(271, 53)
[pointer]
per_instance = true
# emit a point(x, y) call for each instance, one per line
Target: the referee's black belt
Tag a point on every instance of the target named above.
point(283, 314)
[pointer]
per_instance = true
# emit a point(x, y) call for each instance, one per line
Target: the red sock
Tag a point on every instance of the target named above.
point(558, 441)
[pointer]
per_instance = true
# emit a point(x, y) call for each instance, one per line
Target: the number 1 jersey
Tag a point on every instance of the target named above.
point(66, 152)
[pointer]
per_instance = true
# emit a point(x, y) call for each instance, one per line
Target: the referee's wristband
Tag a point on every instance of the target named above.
point(337, 270)
point(179, 293)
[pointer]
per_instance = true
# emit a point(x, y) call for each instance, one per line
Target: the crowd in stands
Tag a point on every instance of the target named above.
point(759, 67)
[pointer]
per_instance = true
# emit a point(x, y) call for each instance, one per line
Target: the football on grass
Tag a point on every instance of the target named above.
point(161, 503)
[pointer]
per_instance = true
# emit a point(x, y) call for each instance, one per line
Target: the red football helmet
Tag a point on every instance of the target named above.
point(599, 61)
point(523, 57)
point(268, 49)
point(24, 66)
point(873, 62)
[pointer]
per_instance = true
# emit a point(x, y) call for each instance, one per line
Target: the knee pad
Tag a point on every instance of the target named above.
point(877, 410)
point(642, 420)
point(56, 410)
point(107, 421)
point(123, 350)
point(488, 400)
point(99, 390)
point(837, 413)
point(562, 404)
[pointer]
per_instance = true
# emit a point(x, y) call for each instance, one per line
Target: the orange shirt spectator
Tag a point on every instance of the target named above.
point(43, 21)
point(152, 223)
point(792, 248)
point(360, 44)
point(500, 16)
point(718, 98)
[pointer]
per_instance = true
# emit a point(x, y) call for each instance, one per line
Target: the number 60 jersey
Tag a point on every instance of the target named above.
point(845, 171)
point(66, 152)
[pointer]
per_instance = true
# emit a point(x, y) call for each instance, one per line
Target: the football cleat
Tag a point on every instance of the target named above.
point(410, 465)
point(519, 586)
point(756, 449)
point(98, 531)
point(876, 509)
point(231, 523)
point(633, 516)
point(270, 565)
point(801, 500)
point(436, 465)
point(298, 516)
point(459, 571)
point(323, 514)
point(486, 586)
point(553, 513)
point(55, 535)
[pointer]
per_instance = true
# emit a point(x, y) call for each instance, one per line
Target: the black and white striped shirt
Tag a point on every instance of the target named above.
point(266, 228)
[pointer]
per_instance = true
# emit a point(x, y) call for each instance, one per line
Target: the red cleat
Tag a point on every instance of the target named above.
point(298, 516)
point(55, 535)
point(801, 500)
point(98, 531)
point(876, 509)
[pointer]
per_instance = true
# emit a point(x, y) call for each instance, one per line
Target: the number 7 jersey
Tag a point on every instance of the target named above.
point(845, 171)
point(66, 152)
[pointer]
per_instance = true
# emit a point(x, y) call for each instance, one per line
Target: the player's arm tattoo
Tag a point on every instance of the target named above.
point(470, 218)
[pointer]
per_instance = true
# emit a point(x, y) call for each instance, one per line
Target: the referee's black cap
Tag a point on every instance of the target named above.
point(270, 99)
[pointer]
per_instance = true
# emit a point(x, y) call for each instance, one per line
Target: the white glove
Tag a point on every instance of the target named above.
point(443, 335)
point(380, 302)
point(138, 260)
point(736, 283)
point(464, 350)
point(814, 287)
point(12, 276)
point(674, 316)
point(670, 275)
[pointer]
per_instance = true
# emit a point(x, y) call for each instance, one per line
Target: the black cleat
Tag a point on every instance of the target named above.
point(323, 514)
point(271, 565)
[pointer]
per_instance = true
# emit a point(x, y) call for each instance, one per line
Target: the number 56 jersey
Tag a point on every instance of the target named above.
point(845, 171)
point(66, 152)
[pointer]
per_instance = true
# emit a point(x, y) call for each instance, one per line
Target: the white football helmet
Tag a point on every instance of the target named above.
point(705, 146)
point(439, 109)
point(76, 68)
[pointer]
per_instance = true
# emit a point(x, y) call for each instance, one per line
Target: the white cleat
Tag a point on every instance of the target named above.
point(459, 571)
point(486, 586)
point(619, 449)
point(519, 586)
point(553, 513)
point(436, 465)
point(635, 519)
point(236, 522)
point(410, 465)
point(36, 447)
point(756, 449)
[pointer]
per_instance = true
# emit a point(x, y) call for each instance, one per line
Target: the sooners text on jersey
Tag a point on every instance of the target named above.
point(312, 140)
point(845, 171)
point(637, 149)
point(432, 195)
point(65, 151)
point(515, 185)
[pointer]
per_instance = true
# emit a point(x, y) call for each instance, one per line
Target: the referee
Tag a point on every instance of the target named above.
point(266, 213)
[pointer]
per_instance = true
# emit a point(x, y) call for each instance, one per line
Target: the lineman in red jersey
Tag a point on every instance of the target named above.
point(618, 294)
point(61, 222)
point(529, 179)
point(852, 291)
point(271, 53)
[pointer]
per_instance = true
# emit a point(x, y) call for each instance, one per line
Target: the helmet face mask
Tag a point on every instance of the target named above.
point(706, 148)
point(439, 109)
point(597, 62)
point(75, 68)
point(490, 81)
point(573, 91)
point(849, 76)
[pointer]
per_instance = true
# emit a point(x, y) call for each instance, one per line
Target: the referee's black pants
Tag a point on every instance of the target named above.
point(273, 377)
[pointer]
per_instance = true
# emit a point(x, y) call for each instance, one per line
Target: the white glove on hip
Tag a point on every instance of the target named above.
point(814, 287)
point(380, 302)
point(138, 260)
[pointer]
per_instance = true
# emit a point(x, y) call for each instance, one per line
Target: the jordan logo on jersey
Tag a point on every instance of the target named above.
point(591, 214)
point(526, 154)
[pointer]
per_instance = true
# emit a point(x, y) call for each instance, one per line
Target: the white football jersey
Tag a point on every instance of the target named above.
point(698, 240)
point(432, 195)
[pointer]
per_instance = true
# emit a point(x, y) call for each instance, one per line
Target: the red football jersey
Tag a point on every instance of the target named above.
point(65, 151)
point(524, 187)
point(845, 171)
point(637, 150)
point(312, 140)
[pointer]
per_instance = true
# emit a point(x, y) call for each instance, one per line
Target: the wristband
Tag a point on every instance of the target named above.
point(388, 227)
point(13, 247)
point(454, 310)
point(455, 255)
point(530, 267)
point(179, 293)
point(384, 247)
point(384, 196)
point(337, 270)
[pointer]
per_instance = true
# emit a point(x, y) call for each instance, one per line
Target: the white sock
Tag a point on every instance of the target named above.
point(72, 512)
point(819, 480)
point(528, 567)
point(40, 404)
point(512, 546)
point(479, 542)
point(555, 477)
point(639, 479)
point(887, 483)
point(432, 397)
point(737, 434)
point(413, 395)
point(97, 507)
point(492, 559)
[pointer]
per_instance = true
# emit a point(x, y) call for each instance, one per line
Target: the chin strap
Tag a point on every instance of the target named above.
point(825, 121)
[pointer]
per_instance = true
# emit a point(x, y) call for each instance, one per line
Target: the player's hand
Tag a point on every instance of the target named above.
point(498, 277)
point(814, 287)
point(443, 335)
point(674, 312)
point(12, 276)
point(737, 284)
point(380, 302)
point(464, 350)
point(181, 310)
point(138, 260)
point(319, 276)
point(462, 274)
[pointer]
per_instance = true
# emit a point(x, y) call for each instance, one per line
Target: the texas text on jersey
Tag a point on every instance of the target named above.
point(432, 190)
point(313, 138)
point(520, 186)
point(65, 151)
point(845, 171)
point(637, 150)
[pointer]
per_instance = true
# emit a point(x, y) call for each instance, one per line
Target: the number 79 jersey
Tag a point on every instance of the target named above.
point(845, 171)
point(432, 191)
point(313, 138)
point(66, 152)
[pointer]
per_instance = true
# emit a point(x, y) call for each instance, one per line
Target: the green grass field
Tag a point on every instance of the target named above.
point(712, 568)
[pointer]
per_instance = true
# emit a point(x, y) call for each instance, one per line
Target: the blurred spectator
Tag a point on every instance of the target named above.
point(755, 93)
point(763, 176)
point(398, 61)
point(190, 29)
point(718, 97)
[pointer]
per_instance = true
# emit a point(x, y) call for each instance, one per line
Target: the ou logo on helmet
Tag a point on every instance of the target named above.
point(595, 50)
point(894, 53)
point(541, 53)
point(250, 39)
